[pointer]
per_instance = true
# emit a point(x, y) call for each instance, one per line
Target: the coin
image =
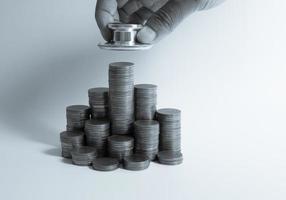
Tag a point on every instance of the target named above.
point(70, 140)
point(170, 129)
point(105, 164)
point(146, 137)
point(83, 155)
point(97, 132)
point(136, 162)
point(76, 116)
point(120, 146)
point(121, 97)
point(145, 101)
point(98, 101)
point(170, 157)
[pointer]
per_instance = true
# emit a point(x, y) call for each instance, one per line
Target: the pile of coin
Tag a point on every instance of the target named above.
point(83, 155)
point(76, 116)
point(70, 140)
point(146, 138)
point(136, 162)
point(170, 157)
point(105, 164)
point(108, 127)
point(145, 101)
point(121, 97)
point(170, 129)
point(98, 101)
point(120, 146)
point(97, 132)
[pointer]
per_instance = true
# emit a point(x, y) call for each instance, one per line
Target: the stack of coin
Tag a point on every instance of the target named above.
point(145, 101)
point(170, 157)
point(83, 155)
point(170, 129)
point(136, 162)
point(98, 101)
point(105, 164)
point(76, 116)
point(121, 97)
point(120, 146)
point(70, 140)
point(97, 132)
point(146, 137)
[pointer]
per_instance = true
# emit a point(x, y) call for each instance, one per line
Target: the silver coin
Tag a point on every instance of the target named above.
point(70, 136)
point(145, 87)
point(170, 129)
point(83, 155)
point(99, 102)
point(121, 97)
point(76, 116)
point(145, 101)
point(105, 164)
point(98, 123)
point(146, 134)
point(98, 91)
point(97, 132)
point(70, 140)
point(169, 111)
point(170, 157)
point(121, 139)
point(136, 162)
point(120, 146)
point(147, 123)
point(78, 109)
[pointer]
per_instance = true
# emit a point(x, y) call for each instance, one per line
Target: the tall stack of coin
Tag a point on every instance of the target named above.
point(145, 101)
point(76, 116)
point(146, 138)
point(97, 132)
point(98, 101)
point(120, 146)
point(170, 129)
point(121, 97)
point(70, 140)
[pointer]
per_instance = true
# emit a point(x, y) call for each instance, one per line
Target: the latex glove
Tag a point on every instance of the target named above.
point(159, 17)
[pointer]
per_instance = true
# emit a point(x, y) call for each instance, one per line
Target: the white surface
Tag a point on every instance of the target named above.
point(224, 68)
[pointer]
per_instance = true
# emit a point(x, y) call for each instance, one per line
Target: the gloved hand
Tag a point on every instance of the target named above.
point(159, 17)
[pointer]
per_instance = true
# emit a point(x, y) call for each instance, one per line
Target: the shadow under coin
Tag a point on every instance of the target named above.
point(53, 152)
point(67, 161)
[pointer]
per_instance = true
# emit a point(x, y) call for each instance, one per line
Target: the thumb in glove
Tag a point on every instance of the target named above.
point(169, 16)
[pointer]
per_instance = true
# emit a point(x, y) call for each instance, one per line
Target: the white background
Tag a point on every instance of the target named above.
point(224, 68)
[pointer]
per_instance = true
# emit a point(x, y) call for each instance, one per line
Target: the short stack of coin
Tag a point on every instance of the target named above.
point(121, 97)
point(146, 137)
point(120, 146)
point(170, 129)
point(170, 157)
point(105, 164)
point(97, 132)
point(98, 101)
point(83, 155)
point(76, 116)
point(136, 162)
point(145, 101)
point(70, 140)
